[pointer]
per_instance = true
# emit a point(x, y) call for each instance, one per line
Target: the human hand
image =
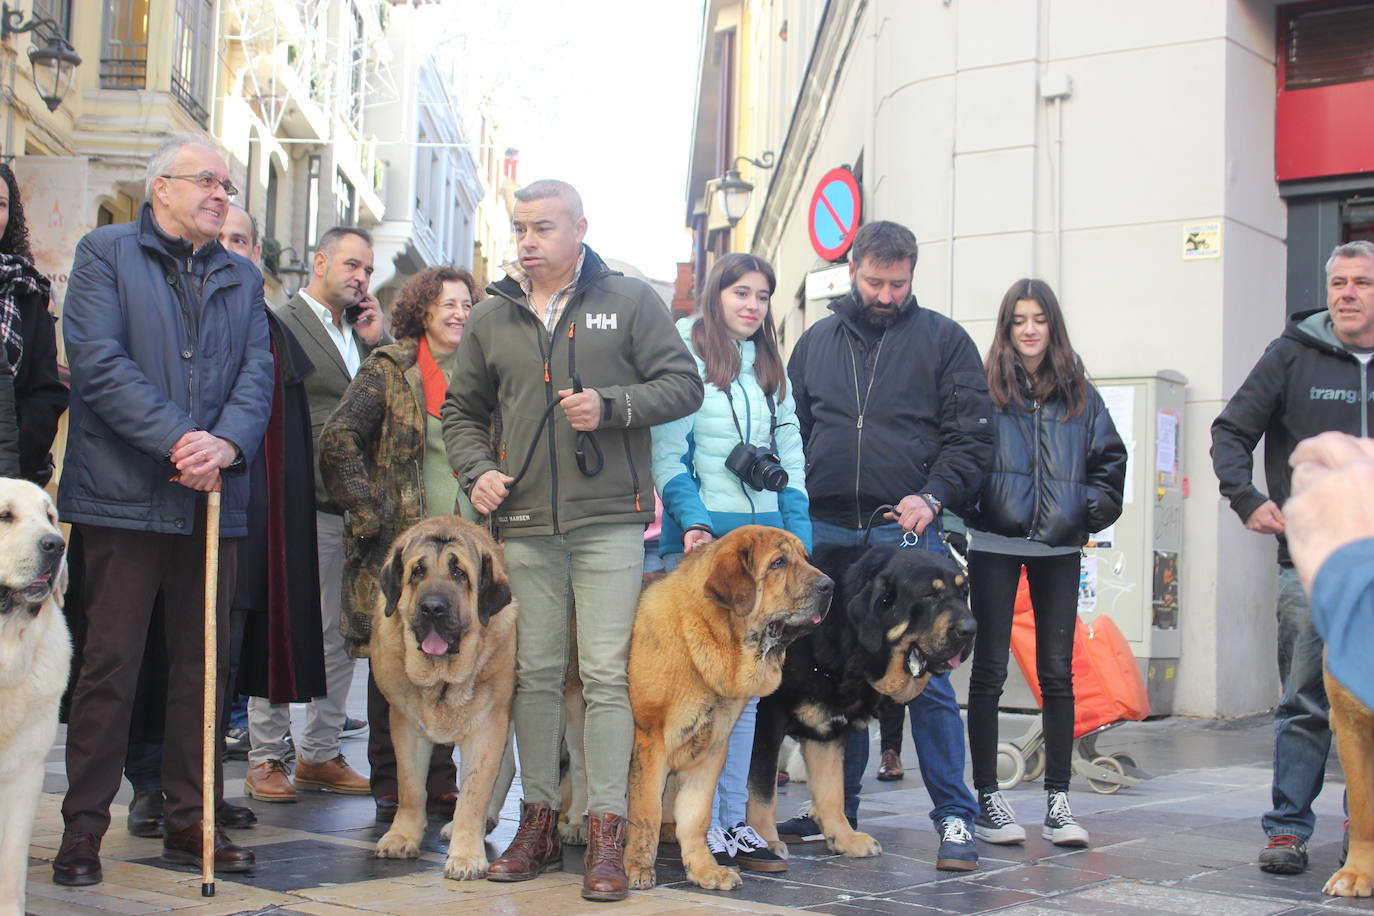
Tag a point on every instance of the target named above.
point(1333, 499)
point(369, 321)
point(583, 409)
point(1266, 519)
point(490, 491)
point(198, 452)
point(912, 513)
point(695, 538)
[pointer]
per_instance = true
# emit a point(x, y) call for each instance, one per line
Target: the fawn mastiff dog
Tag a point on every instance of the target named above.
point(900, 615)
point(707, 638)
point(443, 654)
point(1353, 724)
point(35, 653)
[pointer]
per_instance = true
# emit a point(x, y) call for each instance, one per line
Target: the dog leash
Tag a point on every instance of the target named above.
point(910, 539)
point(580, 451)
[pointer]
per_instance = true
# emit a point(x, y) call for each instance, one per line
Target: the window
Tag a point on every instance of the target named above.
point(269, 223)
point(345, 200)
point(191, 55)
point(124, 49)
point(312, 206)
point(59, 11)
point(1329, 45)
point(357, 70)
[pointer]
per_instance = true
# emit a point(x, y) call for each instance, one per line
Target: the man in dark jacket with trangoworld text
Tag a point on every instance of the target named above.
point(171, 391)
point(1312, 379)
point(894, 410)
point(581, 362)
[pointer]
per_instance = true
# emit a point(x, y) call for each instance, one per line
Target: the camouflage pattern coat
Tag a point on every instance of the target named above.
point(371, 458)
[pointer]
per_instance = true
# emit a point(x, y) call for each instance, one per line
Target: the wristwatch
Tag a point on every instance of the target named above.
point(935, 504)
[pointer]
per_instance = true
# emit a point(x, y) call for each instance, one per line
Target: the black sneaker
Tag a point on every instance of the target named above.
point(1285, 855)
point(721, 848)
point(752, 852)
point(352, 727)
point(804, 829)
point(236, 743)
point(996, 822)
point(1060, 827)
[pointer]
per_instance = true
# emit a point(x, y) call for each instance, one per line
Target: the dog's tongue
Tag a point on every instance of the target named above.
point(954, 662)
point(434, 644)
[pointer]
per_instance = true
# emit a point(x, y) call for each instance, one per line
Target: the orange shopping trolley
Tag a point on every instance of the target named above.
point(1108, 690)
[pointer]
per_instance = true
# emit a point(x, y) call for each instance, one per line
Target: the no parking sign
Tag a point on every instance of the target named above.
point(833, 217)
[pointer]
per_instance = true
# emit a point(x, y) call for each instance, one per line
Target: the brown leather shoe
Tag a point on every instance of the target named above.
point(182, 847)
point(331, 776)
point(442, 805)
point(604, 860)
point(268, 782)
point(535, 849)
point(891, 767)
point(78, 861)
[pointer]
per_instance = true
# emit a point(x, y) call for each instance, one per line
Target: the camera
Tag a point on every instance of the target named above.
point(757, 467)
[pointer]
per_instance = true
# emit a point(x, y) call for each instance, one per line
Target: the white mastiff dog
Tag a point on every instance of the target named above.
point(35, 652)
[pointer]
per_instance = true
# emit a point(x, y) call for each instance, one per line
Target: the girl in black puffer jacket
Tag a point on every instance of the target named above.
point(1057, 476)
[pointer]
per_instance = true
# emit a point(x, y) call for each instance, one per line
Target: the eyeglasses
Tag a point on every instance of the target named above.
point(206, 181)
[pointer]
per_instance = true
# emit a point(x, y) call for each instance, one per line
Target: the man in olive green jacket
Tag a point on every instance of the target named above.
point(580, 362)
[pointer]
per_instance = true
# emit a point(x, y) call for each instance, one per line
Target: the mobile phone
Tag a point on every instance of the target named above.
point(352, 313)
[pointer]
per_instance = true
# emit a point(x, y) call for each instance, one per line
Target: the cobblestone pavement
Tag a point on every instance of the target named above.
point(1183, 841)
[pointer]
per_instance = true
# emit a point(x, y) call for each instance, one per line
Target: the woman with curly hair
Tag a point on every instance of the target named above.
point(29, 360)
point(383, 461)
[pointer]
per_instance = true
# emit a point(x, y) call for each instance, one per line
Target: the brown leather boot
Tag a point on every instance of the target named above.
point(535, 849)
point(605, 859)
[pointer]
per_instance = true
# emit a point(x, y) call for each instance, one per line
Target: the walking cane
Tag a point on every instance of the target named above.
point(211, 723)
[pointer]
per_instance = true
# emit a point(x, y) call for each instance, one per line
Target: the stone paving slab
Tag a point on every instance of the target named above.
point(1182, 842)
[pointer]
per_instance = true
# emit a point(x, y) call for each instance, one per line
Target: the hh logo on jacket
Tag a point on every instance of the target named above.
point(601, 322)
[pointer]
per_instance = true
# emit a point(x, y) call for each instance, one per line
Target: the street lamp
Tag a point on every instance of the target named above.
point(54, 65)
point(734, 191)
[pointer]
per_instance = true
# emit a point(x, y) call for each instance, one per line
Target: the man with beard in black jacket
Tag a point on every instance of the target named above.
point(894, 410)
point(1314, 378)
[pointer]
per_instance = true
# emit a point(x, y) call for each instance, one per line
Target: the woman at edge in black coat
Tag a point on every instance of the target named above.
point(1057, 476)
point(29, 338)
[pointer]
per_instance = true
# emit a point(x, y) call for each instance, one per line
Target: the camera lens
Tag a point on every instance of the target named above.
point(773, 477)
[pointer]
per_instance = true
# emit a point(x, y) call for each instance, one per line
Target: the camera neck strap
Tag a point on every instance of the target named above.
point(772, 419)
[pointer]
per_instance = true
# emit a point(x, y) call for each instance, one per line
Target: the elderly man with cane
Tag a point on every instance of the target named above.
point(171, 391)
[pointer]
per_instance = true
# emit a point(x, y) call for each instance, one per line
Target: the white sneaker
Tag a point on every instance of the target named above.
point(1060, 827)
point(996, 822)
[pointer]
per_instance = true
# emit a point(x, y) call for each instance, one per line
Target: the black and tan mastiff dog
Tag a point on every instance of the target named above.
point(707, 638)
point(443, 654)
point(900, 615)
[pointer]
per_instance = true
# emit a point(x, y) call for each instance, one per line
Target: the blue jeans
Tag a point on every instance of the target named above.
point(936, 729)
point(1302, 732)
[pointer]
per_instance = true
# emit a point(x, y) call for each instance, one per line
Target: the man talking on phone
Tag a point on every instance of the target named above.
point(337, 323)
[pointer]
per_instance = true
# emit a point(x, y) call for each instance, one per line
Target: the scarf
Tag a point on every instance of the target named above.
point(431, 378)
point(17, 276)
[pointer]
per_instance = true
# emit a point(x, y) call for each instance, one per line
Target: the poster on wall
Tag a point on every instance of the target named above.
point(1087, 585)
point(1164, 593)
point(1120, 403)
point(54, 195)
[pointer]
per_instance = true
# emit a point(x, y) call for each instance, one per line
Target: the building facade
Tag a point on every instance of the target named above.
point(1171, 168)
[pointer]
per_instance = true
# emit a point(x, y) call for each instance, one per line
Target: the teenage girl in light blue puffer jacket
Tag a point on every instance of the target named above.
point(735, 346)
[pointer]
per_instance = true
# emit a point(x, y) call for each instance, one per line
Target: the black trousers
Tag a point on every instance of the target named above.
point(1053, 580)
point(125, 571)
point(891, 717)
point(381, 753)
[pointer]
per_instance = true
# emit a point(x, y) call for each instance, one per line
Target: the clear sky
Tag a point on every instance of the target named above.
point(599, 94)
